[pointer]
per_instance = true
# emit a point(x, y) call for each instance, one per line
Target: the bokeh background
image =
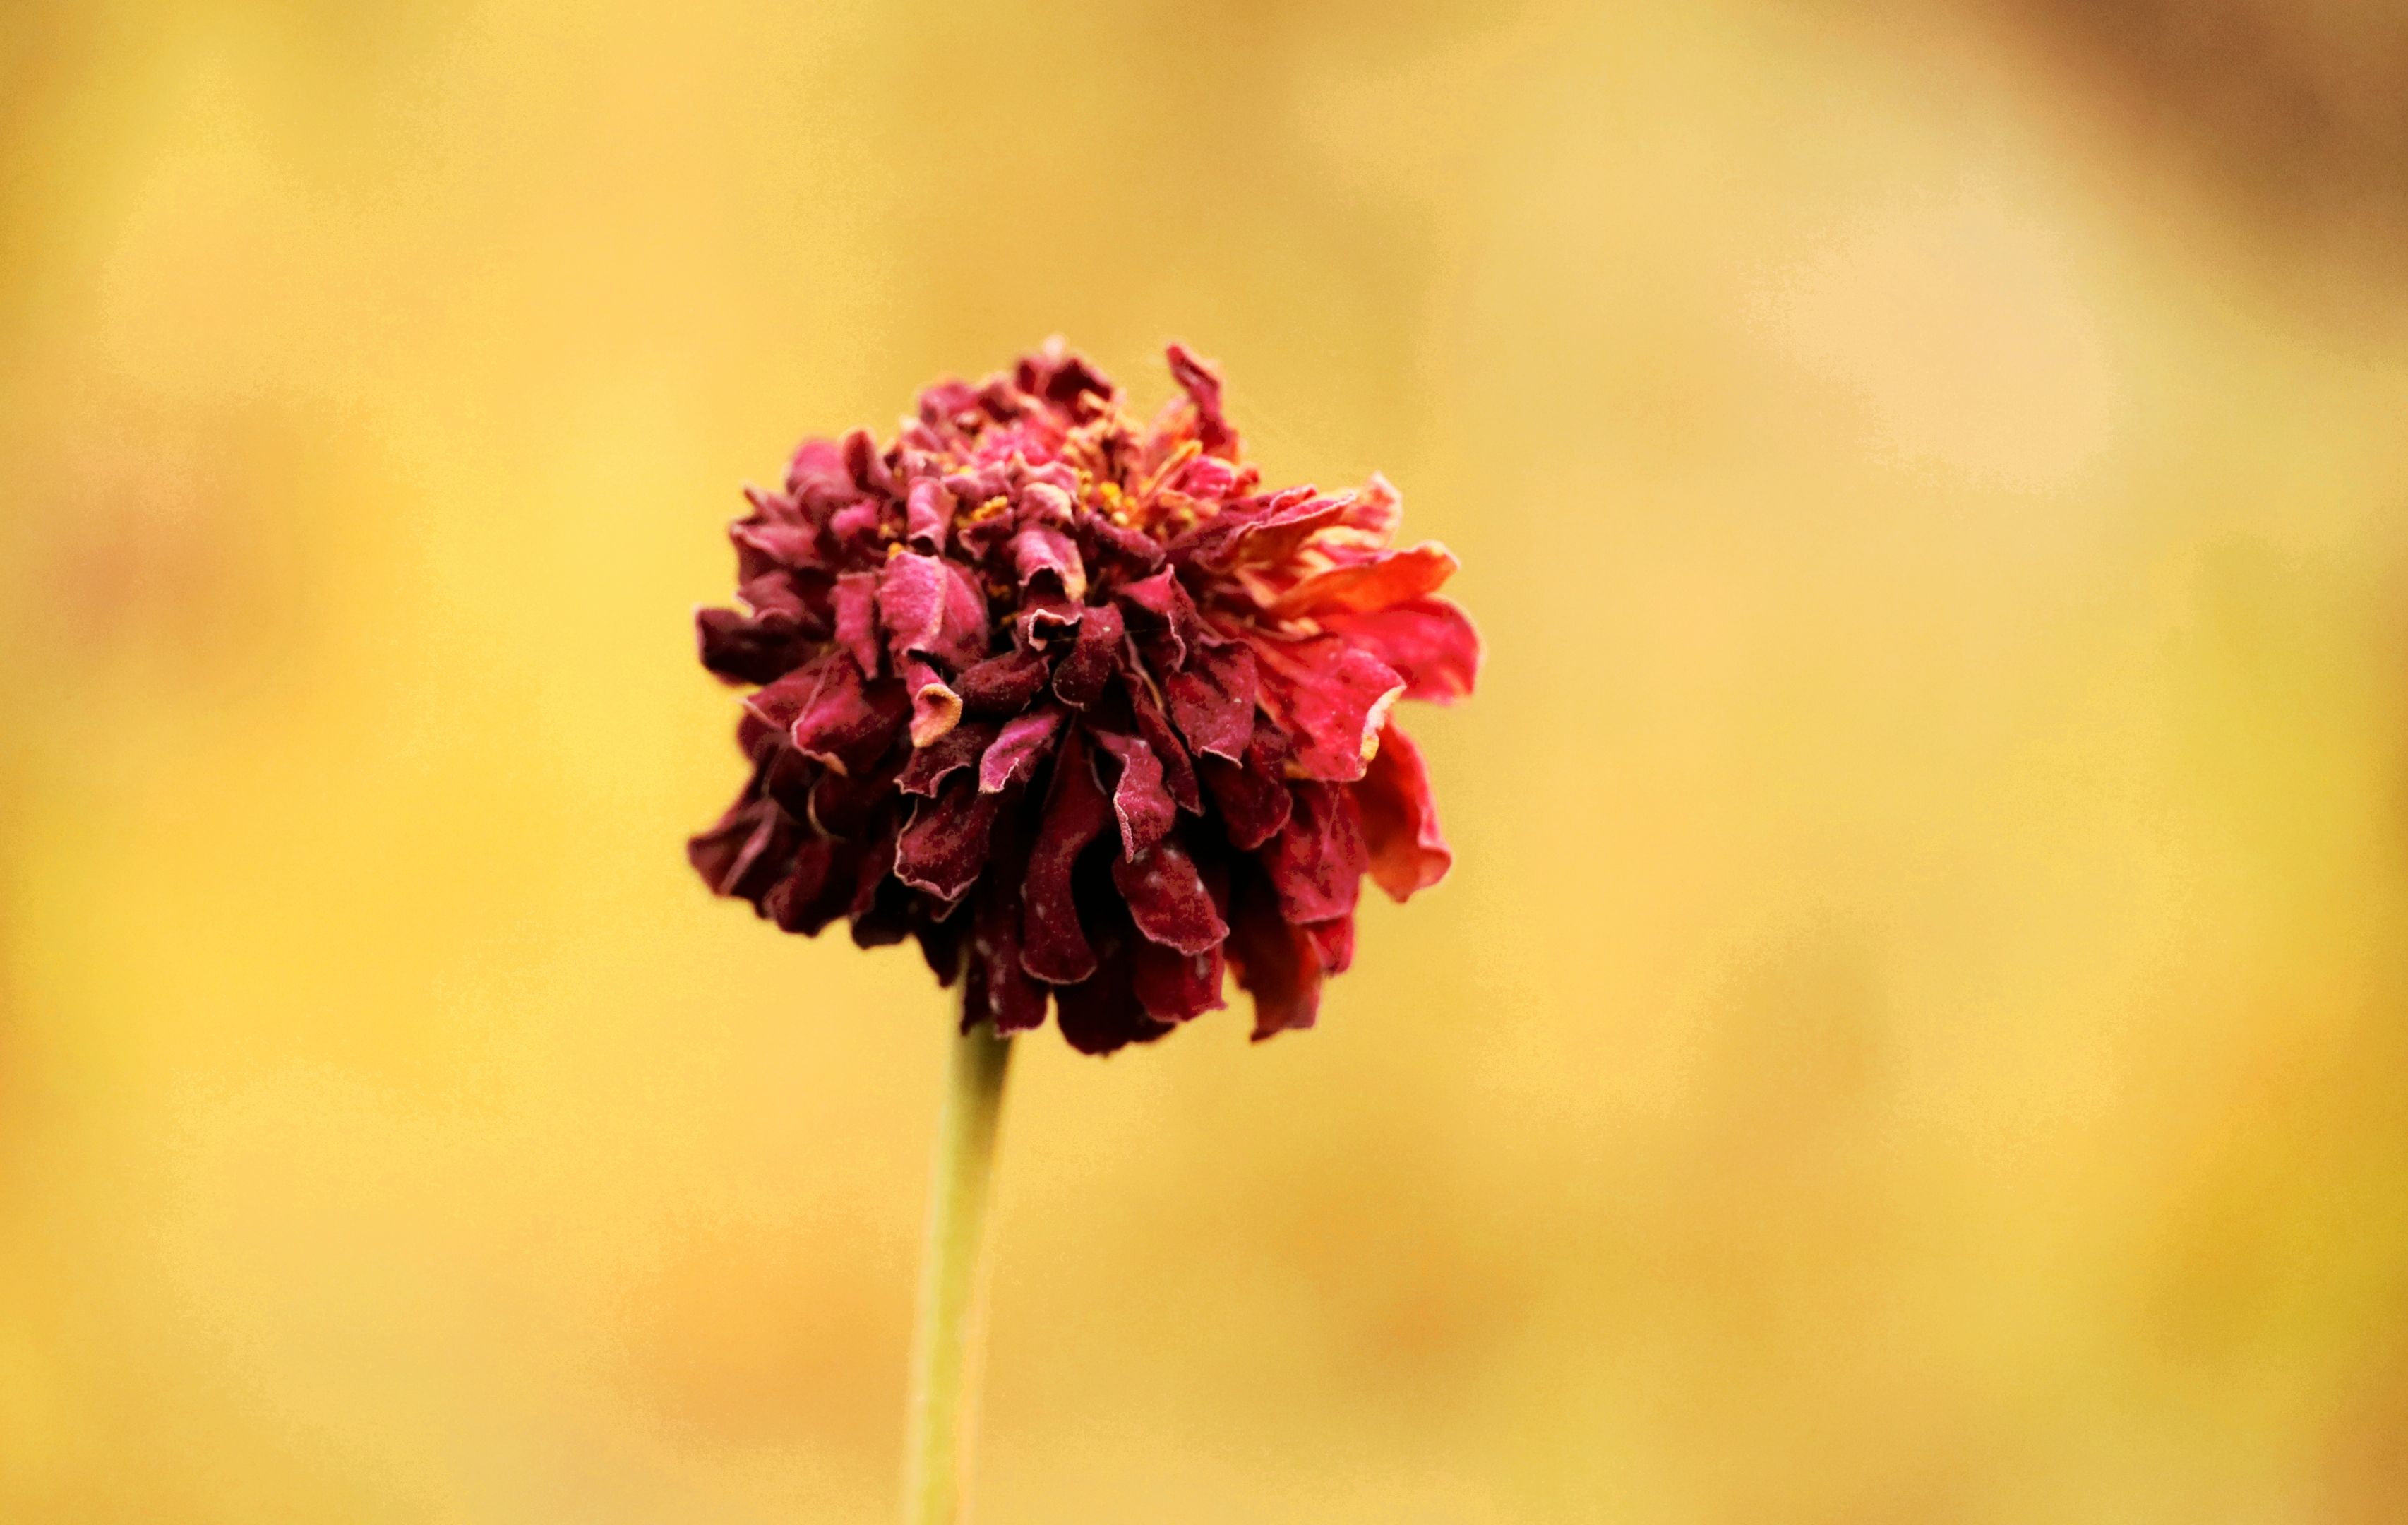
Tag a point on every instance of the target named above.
point(1918, 1030)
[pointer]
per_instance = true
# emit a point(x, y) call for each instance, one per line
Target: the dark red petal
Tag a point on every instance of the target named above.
point(1173, 986)
point(1400, 830)
point(783, 702)
point(1316, 862)
point(1076, 812)
point(958, 748)
point(1178, 769)
point(818, 889)
point(1429, 642)
point(1019, 747)
point(856, 619)
point(1000, 988)
point(1385, 580)
point(848, 724)
point(1139, 802)
point(1168, 900)
point(755, 649)
point(1274, 962)
point(1082, 676)
point(1102, 1014)
point(1163, 618)
point(945, 846)
point(1331, 698)
point(747, 852)
point(1213, 699)
point(1002, 686)
point(1252, 797)
point(847, 804)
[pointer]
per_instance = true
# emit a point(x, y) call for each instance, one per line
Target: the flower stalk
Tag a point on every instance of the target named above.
point(944, 1327)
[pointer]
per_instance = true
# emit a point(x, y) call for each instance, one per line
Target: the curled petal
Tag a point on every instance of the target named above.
point(1252, 796)
point(1213, 700)
point(1362, 587)
point(1331, 698)
point(748, 650)
point(1275, 963)
point(747, 852)
point(1018, 748)
point(1317, 860)
point(1002, 686)
point(930, 608)
point(956, 749)
point(936, 709)
point(1103, 1013)
point(1201, 381)
point(781, 703)
point(1046, 559)
point(1163, 618)
point(1178, 769)
point(856, 619)
point(1053, 946)
point(1377, 511)
point(848, 724)
point(1139, 802)
point(817, 891)
point(1333, 943)
point(945, 846)
point(1173, 986)
point(928, 516)
point(1429, 642)
point(1168, 900)
point(1399, 815)
point(1081, 677)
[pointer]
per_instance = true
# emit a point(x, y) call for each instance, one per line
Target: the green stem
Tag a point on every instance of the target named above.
point(936, 1449)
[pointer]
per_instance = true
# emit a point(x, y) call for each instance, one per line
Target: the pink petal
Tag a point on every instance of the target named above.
point(1081, 677)
point(1018, 748)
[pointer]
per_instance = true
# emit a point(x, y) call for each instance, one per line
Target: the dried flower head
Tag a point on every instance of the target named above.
point(1072, 701)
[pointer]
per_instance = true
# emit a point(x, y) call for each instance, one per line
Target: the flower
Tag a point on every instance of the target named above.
point(1072, 701)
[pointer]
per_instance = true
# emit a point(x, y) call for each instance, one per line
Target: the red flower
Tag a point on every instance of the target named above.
point(1072, 701)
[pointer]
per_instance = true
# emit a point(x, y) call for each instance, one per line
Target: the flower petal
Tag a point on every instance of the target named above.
point(848, 724)
point(1081, 677)
point(1173, 986)
point(1019, 747)
point(1002, 686)
point(748, 649)
point(1387, 578)
point(1316, 862)
point(1331, 698)
point(1430, 641)
point(930, 608)
point(936, 709)
point(1178, 769)
point(1275, 963)
point(1102, 1014)
point(1163, 618)
point(1400, 830)
point(958, 748)
point(1252, 797)
point(1213, 699)
point(1053, 946)
point(1141, 804)
point(945, 846)
point(1168, 900)
point(856, 619)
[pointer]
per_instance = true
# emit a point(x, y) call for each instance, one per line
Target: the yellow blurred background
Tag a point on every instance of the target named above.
point(1915, 1032)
